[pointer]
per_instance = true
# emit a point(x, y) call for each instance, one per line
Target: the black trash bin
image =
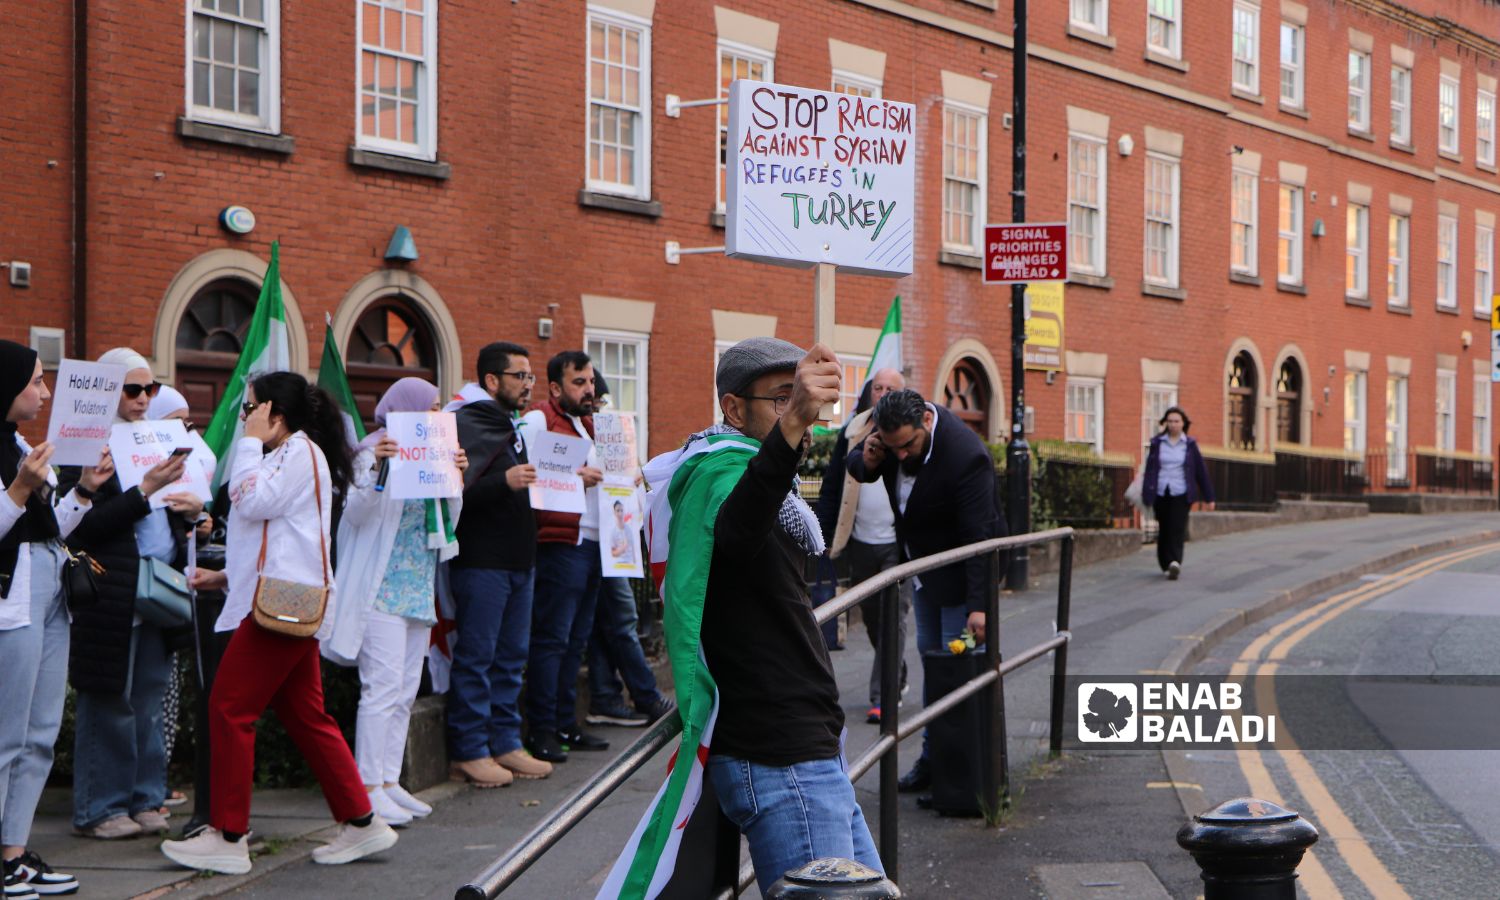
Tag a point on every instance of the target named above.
point(959, 741)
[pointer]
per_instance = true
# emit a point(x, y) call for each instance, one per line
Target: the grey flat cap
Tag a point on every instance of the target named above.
point(752, 358)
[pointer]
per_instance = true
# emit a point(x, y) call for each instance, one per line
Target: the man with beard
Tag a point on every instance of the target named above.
point(941, 482)
point(567, 573)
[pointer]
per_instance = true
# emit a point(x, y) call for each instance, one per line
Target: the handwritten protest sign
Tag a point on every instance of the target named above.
point(615, 445)
point(818, 177)
point(619, 529)
point(138, 446)
point(557, 458)
point(423, 466)
point(83, 408)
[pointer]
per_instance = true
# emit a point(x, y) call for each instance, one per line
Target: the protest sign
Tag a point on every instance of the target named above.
point(203, 456)
point(138, 446)
point(615, 445)
point(84, 402)
point(423, 466)
point(619, 529)
point(557, 458)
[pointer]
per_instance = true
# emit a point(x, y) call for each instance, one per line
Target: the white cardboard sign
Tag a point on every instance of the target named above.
point(557, 457)
point(84, 402)
point(138, 446)
point(817, 177)
point(619, 528)
point(423, 467)
point(615, 445)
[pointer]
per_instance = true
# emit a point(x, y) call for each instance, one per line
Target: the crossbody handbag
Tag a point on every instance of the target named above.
point(79, 583)
point(291, 607)
point(161, 594)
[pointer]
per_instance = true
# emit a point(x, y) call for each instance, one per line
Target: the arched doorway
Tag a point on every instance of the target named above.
point(209, 338)
point(1243, 380)
point(1289, 403)
point(391, 340)
point(966, 393)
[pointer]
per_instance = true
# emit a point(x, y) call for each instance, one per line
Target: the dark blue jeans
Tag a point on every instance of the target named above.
point(494, 629)
point(616, 646)
point(562, 619)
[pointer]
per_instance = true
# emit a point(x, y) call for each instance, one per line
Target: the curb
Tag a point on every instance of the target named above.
point(1192, 649)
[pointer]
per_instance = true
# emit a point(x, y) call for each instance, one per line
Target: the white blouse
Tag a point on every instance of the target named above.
point(15, 607)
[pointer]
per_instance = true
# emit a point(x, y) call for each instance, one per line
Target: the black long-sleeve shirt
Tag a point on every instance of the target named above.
point(778, 701)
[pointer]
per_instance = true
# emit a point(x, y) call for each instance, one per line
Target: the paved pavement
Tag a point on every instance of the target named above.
point(1115, 811)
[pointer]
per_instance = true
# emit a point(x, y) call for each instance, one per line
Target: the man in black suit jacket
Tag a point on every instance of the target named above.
point(941, 481)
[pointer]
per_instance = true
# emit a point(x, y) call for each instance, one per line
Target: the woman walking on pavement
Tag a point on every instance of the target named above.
point(1176, 478)
point(389, 551)
point(282, 473)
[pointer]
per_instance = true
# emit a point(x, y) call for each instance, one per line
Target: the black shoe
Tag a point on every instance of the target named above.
point(924, 801)
point(656, 710)
point(917, 780)
point(575, 739)
point(616, 713)
point(42, 879)
point(547, 748)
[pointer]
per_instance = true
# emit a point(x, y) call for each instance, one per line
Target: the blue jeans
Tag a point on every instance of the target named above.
point(562, 618)
point(34, 671)
point(120, 756)
point(936, 626)
point(792, 815)
point(616, 646)
point(493, 616)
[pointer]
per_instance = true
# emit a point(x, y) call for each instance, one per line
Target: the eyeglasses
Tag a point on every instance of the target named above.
point(523, 377)
point(777, 403)
point(135, 390)
point(247, 408)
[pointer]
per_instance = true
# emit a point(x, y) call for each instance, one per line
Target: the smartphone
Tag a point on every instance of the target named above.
point(182, 451)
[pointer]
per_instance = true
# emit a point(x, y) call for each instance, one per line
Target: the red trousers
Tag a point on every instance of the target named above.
point(261, 668)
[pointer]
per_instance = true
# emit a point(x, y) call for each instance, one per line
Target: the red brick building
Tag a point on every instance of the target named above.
point(1283, 214)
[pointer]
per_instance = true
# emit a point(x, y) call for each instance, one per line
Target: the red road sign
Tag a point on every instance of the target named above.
point(1025, 252)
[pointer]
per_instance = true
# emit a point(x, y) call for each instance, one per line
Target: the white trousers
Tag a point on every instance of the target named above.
point(390, 669)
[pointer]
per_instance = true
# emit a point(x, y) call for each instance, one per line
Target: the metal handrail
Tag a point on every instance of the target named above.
point(506, 869)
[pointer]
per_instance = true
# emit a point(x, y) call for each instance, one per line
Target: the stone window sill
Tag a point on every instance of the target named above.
point(1093, 37)
point(1362, 135)
point(1166, 293)
point(1448, 310)
point(1297, 111)
point(1243, 94)
point(614, 202)
point(1451, 157)
point(1351, 300)
point(1481, 316)
point(963, 260)
point(238, 137)
point(1404, 148)
point(1245, 278)
point(1285, 288)
point(1094, 281)
point(1169, 62)
point(369, 159)
point(1486, 167)
point(1398, 309)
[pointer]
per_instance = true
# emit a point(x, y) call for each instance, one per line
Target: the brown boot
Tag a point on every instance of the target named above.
point(523, 765)
point(481, 772)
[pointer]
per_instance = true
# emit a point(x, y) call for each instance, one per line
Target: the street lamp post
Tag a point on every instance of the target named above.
point(1018, 453)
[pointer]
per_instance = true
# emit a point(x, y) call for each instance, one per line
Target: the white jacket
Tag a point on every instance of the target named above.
point(15, 607)
point(367, 534)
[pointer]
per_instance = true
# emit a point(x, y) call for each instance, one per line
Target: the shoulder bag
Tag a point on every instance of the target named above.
point(291, 607)
point(79, 585)
point(161, 594)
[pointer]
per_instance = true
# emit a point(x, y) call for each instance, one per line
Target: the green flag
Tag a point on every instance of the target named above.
point(332, 379)
point(887, 353)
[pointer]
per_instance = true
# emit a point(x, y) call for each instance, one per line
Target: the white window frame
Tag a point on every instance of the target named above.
point(842, 78)
point(268, 120)
point(856, 368)
point(1252, 57)
point(1447, 271)
point(1401, 105)
point(721, 132)
point(1293, 236)
point(1156, 399)
point(1446, 408)
point(1398, 258)
point(1357, 251)
point(1172, 25)
point(1173, 224)
point(1296, 67)
point(641, 190)
point(1359, 91)
point(1484, 127)
point(1483, 432)
point(1098, 264)
point(975, 246)
point(1251, 225)
point(425, 147)
point(1484, 269)
point(1356, 420)
point(1395, 427)
point(1448, 107)
point(1096, 387)
point(642, 342)
point(1100, 21)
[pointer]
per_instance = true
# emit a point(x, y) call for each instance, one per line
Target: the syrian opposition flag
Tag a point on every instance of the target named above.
point(266, 349)
point(696, 479)
point(333, 379)
point(887, 353)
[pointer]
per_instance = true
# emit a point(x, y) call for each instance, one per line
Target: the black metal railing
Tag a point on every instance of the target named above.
point(1242, 481)
point(504, 871)
point(1302, 474)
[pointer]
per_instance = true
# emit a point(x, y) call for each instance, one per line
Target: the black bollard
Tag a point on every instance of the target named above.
point(1248, 849)
point(844, 879)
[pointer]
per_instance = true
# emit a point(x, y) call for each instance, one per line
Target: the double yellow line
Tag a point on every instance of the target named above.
point(1336, 828)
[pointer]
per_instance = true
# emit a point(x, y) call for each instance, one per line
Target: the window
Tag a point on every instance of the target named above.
point(1085, 412)
point(854, 85)
point(1447, 405)
point(619, 89)
point(1400, 105)
point(1164, 27)
point(855, 368)
point(1354, 412)
point(1289, 235)
point(1359, 90)
point(1484, 268)
point(1289, 403)
point(233, 63)
point(735, 62)
point(1247, 47)
point(963, 178)
point(1482, 391)
point(1243, 214)
point(1357, 251)
point(1161, 220)
point(621, 357)
point(1484, 128)
point(1448, 114)
point(392, 339)
point(1395, 428)
point(1447, 262)
point(1086, 198)
point(1240, 402)
point(398, 77)
point(1292, 64)
point(1090, 14)
point(1398, 240)
point(1157, 399)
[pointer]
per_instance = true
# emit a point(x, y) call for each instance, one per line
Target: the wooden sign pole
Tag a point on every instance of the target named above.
point(823, 317)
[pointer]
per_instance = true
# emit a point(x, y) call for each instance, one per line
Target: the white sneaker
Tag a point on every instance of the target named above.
point(354, 842)
point(208, 851)
point(388, 809)
point(406, 801)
